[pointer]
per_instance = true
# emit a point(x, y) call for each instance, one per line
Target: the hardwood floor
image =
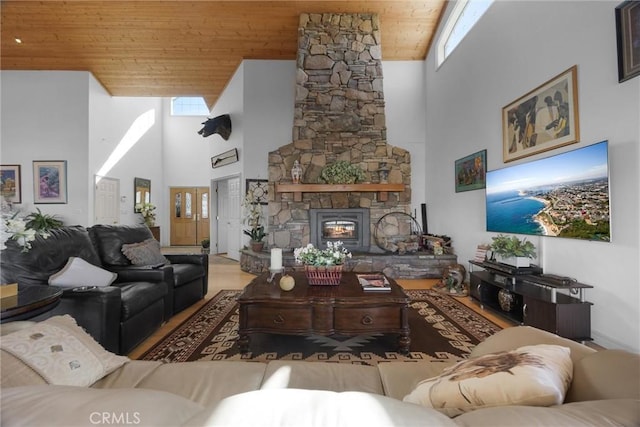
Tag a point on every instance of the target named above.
point(227, 275)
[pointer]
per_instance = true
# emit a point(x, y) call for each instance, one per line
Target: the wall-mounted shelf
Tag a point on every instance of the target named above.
point(298, 189)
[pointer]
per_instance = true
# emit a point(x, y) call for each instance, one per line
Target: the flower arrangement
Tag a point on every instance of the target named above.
point(253, 217)
point(334, 254)
point(21, 230)
point(147, 210)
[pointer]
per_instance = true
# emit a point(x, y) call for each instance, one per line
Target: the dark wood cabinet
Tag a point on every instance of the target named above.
point(530, 298)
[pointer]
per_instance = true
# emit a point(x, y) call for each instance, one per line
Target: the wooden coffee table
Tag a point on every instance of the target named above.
point(322, 310)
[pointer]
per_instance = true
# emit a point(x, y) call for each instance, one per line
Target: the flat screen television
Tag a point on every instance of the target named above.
point(565, 195)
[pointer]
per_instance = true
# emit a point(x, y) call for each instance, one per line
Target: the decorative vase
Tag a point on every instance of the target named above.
point(256, 246)
point(323, 275)
point(506, 300)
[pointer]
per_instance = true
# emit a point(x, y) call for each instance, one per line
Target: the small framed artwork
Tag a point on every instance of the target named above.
point(50, 181)
point(543, 119)
point(11, 183)
point(142, 192)
point(471, 172)
point(260, 189)
point(628, 38)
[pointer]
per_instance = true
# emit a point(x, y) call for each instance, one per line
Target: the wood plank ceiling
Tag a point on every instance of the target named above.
point(185, 48)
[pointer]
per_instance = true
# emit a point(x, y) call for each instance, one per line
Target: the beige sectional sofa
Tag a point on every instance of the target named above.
point(604, 390)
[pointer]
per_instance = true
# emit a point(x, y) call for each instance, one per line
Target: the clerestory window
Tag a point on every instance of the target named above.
point(462, 18)
point(189, 106)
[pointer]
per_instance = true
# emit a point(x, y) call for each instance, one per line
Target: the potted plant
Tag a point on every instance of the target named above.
point(253, 218)
point(322, 266)
point(147, 210)
point(513, 251)
point(342, 172)
point(206, 245)
point(256, 234)
point(42, 222)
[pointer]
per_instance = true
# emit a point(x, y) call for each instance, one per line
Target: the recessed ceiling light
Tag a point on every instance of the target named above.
point(18, 40)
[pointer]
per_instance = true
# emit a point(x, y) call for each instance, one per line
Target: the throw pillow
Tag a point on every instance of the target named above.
point(144, 253)
point(78, 272)
point(537, 375)
point(61, 352)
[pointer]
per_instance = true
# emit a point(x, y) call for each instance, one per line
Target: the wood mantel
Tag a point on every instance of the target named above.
point(298, 189)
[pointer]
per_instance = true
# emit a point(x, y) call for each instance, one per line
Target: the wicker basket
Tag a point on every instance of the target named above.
point(329, 275)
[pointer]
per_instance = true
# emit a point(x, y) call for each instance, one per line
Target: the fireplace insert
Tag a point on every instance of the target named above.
point(350, 226)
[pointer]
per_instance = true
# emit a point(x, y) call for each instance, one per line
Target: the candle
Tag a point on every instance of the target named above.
point(276, 259)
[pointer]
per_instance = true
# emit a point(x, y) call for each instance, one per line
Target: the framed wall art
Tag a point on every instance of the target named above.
point(260, 189)
point(50, 181)
point(543, 119)
point(628, 38)
point(142, 192)
point(11, 183)
point(471, 172)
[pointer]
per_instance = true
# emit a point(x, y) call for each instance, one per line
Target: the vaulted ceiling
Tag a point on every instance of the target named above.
point(185, 48)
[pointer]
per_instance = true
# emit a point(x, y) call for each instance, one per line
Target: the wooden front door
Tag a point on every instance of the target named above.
point(190, 215)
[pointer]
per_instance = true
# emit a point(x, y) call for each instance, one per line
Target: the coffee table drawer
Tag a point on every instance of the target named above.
point(368, 319)
point(279, 318)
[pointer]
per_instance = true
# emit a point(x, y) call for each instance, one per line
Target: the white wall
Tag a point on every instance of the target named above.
point(514, 48)
point(231, 102)
point(67, 115)
point(45, 117)
point(111, 121)
point(405, 110)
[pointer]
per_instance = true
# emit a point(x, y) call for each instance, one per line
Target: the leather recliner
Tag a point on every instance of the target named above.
point(187, 274)
point(119, 316)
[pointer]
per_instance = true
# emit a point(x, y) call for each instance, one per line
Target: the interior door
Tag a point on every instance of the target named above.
point(106, 200)
point(190, 215)
point(228, 218)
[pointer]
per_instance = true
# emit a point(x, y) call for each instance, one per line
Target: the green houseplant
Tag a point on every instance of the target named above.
point(342, 172)
point(42, 222)
point(254, 218)
point(513, 251)
point(206, 245)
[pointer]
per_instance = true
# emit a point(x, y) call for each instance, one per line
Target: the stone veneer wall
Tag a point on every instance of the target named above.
point(339, 115)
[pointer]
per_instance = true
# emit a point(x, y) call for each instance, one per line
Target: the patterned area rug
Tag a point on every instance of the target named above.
point(441, 328)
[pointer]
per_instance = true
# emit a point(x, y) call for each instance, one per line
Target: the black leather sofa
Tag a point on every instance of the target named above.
point(187, 275)
point(124, 314)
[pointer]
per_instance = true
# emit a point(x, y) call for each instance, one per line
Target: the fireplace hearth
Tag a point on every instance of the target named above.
point(350, 226)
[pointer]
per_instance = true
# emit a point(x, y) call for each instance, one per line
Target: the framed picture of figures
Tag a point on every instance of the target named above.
point(543, 119)
point(50, 181)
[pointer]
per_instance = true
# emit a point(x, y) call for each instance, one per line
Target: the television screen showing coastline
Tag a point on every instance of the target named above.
point(565, 195)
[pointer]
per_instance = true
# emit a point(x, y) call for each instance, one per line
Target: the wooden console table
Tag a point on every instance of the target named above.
point(322, 310)
point(298, 189)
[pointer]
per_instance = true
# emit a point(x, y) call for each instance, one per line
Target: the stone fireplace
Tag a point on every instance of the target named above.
point(339, 114)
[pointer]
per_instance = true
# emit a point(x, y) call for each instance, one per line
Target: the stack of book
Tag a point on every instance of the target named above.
point(374, 282)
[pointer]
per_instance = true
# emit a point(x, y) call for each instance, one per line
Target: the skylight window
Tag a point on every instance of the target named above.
point(189, 106)
point(463, 17)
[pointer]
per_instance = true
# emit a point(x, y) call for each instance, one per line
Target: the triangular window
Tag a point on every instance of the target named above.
point(189, 106)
